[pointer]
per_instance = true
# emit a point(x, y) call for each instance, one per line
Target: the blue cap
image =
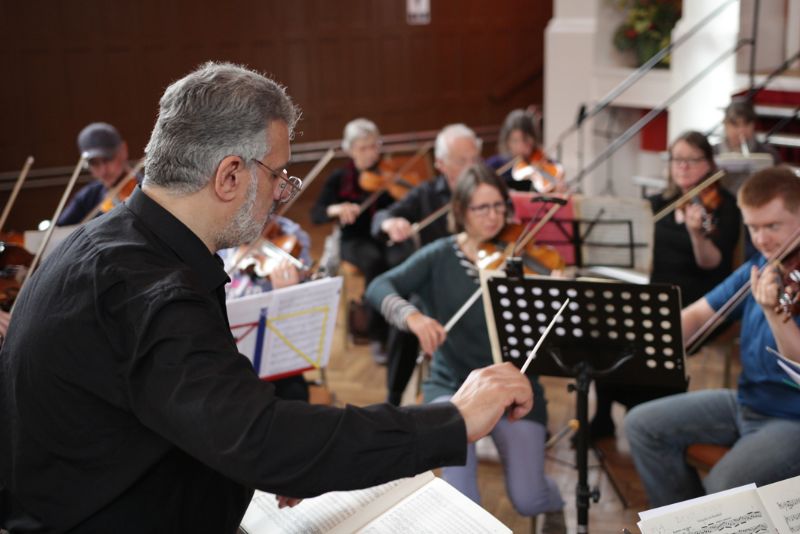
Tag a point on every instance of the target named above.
point(99, 140)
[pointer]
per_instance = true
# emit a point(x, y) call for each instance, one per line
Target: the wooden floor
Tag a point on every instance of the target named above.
point(355, 379)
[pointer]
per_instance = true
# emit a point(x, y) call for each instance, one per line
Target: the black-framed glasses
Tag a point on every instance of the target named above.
point(482, 210)
point(289, 186)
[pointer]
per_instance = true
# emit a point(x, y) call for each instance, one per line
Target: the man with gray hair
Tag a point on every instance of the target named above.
point(124, 404)
point(457, 147)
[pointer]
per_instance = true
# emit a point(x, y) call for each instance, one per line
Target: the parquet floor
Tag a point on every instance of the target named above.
point(353, 378)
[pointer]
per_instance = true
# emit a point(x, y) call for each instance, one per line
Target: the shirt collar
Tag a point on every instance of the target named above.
point(177, 236)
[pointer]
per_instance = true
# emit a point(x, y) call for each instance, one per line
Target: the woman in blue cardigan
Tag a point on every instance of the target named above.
point(443, 274)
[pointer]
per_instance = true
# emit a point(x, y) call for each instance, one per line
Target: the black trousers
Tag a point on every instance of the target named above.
point(369, 255)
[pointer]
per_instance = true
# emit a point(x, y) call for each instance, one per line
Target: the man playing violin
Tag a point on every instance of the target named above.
point(106, 155)
point(125, 406)
point(761, 421)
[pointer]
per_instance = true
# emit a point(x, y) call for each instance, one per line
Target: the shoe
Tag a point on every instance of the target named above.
point(379, 355)
point(554, 523)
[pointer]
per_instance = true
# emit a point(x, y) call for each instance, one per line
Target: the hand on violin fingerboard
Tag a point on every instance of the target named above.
point(284, 275)
point(429, 331)
point(397, 228)
point(767, 287)
point(346, 212)
point(694, 215)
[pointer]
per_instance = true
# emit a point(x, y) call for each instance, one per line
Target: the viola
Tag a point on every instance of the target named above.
point(128, 185)
point(388, 177)
point(545, 174)
point(789, 295)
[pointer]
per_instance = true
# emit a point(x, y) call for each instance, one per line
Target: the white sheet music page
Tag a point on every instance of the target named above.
point(737, 513)
point(782, 502)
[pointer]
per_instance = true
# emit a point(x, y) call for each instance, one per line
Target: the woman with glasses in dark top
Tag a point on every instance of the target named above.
point(693, 248)
point(444, 275)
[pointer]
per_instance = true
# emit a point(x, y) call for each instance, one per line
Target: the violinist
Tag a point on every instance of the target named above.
point(107, 159)
point(760, 422)
point(519, 138)
point(740, 137)
point(444, 274)
point(693, 248)
point(456, 148)
point(340, 200)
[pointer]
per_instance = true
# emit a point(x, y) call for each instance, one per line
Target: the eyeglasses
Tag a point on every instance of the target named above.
point(482, 210)
point(289, 186)
point(686, 161)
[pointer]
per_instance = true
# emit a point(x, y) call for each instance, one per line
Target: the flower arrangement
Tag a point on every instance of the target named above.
point(647, 27)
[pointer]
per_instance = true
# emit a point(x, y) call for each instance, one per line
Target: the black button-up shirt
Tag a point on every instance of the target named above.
point(125, 405)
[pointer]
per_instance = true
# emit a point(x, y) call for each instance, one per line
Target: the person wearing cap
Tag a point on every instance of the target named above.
point(107, 156)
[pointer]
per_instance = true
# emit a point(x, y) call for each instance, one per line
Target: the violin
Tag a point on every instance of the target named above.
point(387, 177)
point(789, 294)
point(270, 250)
point(706, 193)
point(397, 180)
point(545, 175)
point(14, 264)
point(536, 259)
point(709, 199)
point(117, 194)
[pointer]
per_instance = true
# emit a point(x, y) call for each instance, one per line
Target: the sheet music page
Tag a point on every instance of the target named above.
point(347, 510)
point(782, 502)
point(287, 329)
point(603, 239)
point(436, 508)
point(740, 513)
point(662, 510)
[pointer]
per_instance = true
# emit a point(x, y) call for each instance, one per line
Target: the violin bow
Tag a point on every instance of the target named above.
point(370, 200)
point(114, 191)
point(315, 171)
point(49, 233)
point(508, 165)
point(691, 193)
point(722, 313)
point(15, 191)
point(427, 221)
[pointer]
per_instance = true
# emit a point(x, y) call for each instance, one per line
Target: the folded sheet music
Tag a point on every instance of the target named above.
point(790, 367)
point(422, 504)
point(769, 509)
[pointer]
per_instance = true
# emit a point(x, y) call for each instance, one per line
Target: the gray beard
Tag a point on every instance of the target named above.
point(244, 227)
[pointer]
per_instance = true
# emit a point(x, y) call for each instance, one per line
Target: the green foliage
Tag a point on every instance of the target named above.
point(647, 27)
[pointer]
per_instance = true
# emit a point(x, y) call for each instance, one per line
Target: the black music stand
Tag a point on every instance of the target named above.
point(624, 333)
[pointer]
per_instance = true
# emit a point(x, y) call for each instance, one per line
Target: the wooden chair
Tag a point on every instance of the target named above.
point(703, 456)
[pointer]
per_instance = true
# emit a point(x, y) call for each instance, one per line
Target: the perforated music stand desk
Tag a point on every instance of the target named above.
point(624, 333)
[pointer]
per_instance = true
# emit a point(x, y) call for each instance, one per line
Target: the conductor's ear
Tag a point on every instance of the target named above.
point(230, 177)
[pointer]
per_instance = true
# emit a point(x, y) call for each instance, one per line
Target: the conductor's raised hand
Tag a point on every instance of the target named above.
point(429, 332)
point(486, 395)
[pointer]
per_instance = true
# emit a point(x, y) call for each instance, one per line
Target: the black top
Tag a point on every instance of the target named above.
point(125, 406)
point(342, 186)
point(673, 258)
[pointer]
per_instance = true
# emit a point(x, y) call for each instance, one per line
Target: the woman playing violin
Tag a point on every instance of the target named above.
point(760, 421)
point(444, 274)
point(519, 138)
point(693, 249)
point(340, 200)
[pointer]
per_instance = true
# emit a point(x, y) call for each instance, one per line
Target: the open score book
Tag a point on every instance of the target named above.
point(774, 508)
point(422, 504)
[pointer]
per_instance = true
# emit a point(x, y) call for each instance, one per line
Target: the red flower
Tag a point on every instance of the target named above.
point(630, 33)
